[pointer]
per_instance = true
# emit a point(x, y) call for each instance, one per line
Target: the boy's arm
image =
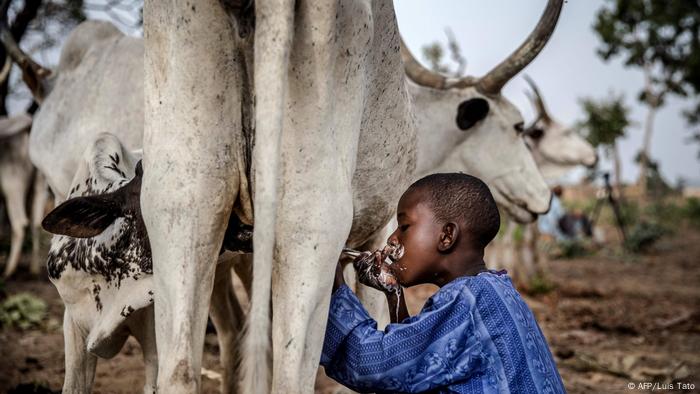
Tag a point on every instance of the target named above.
point(432, 349)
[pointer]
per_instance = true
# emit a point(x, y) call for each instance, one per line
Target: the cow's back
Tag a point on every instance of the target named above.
point(98, 88)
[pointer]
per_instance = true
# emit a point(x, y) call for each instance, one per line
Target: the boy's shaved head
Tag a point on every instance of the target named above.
point(463, 199)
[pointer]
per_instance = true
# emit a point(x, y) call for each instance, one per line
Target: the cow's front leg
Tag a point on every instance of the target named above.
point(302, 280)
point(192, 145)
point(227, 315)
point(41, 195)
point(80, 365)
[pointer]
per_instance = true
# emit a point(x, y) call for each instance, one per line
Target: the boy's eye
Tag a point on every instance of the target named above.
point(404, 227)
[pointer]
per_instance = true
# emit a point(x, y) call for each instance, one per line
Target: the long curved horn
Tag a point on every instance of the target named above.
point(33, 74)
point(537, 99)
point(5, 72)
point(492, 82)
point(424, 77)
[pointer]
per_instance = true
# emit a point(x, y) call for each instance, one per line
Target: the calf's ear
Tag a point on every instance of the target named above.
point(83, 217)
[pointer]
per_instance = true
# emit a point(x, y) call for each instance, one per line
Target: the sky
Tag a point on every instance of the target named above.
point(566, 70)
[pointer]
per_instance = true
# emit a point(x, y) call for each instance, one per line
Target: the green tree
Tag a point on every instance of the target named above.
point(604, 122)
point(662, 38)
point(39, 26)
point(434, 54)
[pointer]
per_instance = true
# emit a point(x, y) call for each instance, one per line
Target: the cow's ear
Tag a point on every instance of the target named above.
point(471, 111)
point(83, 217)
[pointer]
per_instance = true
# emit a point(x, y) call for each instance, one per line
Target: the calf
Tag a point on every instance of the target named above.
point(100, 262)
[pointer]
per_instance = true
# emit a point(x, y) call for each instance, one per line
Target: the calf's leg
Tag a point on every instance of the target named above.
point(80, 365)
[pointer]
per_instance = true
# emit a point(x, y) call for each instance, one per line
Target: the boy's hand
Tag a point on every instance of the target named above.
point(373, 271)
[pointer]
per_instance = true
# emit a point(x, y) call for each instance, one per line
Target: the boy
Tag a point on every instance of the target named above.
point(475, 335)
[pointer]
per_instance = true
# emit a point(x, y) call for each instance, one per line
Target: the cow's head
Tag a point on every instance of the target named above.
point(99, 228)
point(554, 145)
point(490, 127)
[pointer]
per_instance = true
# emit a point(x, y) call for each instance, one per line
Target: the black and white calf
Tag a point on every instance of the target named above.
point(100, 262)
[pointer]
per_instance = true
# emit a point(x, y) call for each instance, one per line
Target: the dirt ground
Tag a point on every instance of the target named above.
point(613, 320)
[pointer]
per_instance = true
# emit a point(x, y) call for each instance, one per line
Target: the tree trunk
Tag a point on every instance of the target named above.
point(617, 166)
point(18, 28)
point(653, 101)
point(645, 153)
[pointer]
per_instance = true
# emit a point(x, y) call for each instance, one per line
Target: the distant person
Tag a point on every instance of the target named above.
point(475, 335)
point(548, 223)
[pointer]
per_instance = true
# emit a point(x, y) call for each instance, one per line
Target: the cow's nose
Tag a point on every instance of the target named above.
point(595, 160)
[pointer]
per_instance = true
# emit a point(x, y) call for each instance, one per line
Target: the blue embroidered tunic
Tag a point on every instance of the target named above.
point(475, 335)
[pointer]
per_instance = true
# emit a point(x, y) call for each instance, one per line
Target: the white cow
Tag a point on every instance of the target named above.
point(333, 148)
point(16, 174)
point(331, 142)
point(557, 149)
point(466, 125)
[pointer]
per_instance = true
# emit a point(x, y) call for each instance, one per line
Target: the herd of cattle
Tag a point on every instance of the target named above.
point(312, 115)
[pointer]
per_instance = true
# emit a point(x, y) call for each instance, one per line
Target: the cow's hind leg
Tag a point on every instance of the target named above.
point(143, 329)
point(15, 191)
point(80, 365)
point(227, 315)
point(192, 153)
point(302, 282)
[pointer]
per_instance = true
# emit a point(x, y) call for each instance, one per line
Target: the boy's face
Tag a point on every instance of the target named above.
point(419, 233)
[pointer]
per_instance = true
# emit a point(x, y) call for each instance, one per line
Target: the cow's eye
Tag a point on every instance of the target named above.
point(519, 127)
point(536, 133)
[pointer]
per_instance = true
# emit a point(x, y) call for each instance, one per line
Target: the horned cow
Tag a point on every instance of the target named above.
point(301, 105)
point(557, 149)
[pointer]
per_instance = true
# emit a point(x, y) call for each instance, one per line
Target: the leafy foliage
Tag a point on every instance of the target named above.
point(539, 284)
point(434, 54)
point(660, 36)
point(691, 211)
point(643, 235)
point(22, 310)
point(570, 249)
point(604, 121)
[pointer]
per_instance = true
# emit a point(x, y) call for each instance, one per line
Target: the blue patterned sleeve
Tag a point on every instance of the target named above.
point(433, 349)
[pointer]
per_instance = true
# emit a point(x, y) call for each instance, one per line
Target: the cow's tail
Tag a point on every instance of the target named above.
point(273, 39)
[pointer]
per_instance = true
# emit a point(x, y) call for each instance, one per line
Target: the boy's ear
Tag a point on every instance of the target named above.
point(83, 217)
point(448, 237)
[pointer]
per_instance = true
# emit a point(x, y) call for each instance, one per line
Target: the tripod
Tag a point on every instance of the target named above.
point(604, 195)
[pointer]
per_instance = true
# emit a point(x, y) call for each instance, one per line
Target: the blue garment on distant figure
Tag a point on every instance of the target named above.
point(549, 222)
point(475, 335)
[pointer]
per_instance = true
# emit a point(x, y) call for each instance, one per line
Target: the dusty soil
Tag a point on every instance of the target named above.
point(612, 320)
